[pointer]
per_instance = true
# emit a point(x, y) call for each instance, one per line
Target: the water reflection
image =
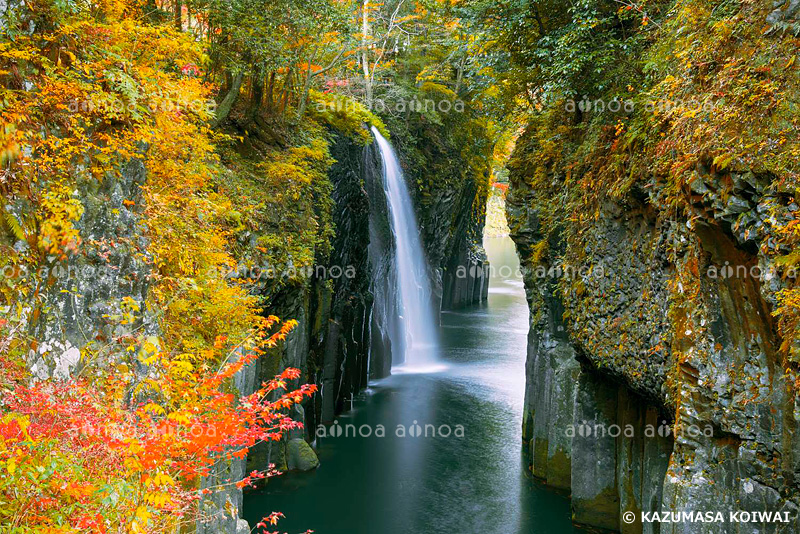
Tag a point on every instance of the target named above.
point(476, 483)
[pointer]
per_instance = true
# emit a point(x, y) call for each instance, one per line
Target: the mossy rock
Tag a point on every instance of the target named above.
point(300, 456)
point(600, 512)
point(278, 456)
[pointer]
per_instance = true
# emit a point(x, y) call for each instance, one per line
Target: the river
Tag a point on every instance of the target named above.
point(473, 481)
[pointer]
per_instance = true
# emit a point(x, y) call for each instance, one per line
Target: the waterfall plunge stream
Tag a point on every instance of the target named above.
point(417, 333)
point(434, 484)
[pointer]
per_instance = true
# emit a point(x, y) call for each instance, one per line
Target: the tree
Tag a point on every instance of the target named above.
point(271, 47)
point(383, 26)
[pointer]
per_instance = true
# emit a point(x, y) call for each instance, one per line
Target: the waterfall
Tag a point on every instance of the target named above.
point(417, 322)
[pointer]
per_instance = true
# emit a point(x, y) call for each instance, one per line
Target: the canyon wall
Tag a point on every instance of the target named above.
point(653, 376)
point(331, 344)
point(653, 200)
point(89, 297)
point(345, 311)
point(342, 303)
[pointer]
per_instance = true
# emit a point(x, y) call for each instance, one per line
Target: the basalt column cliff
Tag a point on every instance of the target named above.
point(662, 363)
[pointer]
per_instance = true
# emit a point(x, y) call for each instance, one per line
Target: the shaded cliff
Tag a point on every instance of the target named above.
point(660, 273)
point(609, 344)
point(346, 305)
point(307, 248)
point(447, 158)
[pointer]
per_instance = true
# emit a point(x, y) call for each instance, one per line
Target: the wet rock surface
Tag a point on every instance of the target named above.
point(345, 322)
point(691, 359)
point(342, 336)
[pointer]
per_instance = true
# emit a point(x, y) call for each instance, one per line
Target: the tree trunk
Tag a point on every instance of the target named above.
point(270, 91)
point(178, 23)
point(365, 53)
point(460, 77)
point(301, 108)
point(257, 93)
point(225, 106)
point(287, 84)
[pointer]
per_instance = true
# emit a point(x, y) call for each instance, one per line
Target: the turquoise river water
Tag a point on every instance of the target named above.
point(473, 481)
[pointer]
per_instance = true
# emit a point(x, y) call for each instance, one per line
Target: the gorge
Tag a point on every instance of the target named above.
point(353, 267)
point(416, 346)
point(469, 418)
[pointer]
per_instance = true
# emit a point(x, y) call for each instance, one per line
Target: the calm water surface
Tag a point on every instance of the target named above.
point(475, 484)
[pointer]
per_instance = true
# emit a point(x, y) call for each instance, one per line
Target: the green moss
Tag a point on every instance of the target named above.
point(540, 465)
point(283, 202)
point(300, 456)
point(278, 456)
point(601, 511)
point(559, 470)
point(345, 115)
point(713, 96)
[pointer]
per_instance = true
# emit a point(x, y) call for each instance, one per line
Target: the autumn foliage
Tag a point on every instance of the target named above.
point(75, 459)
point(122, 444)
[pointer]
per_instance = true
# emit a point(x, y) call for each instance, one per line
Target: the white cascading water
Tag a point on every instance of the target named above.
point(414, 289)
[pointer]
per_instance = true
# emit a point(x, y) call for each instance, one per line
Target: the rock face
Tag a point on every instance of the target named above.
point(107, 278)
point(342, 337)
point(450, 192)
point(463, 269)
point(90, 288)
point(334, 309)
point(345, 310)
point(649, 389)
point(785, 13)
